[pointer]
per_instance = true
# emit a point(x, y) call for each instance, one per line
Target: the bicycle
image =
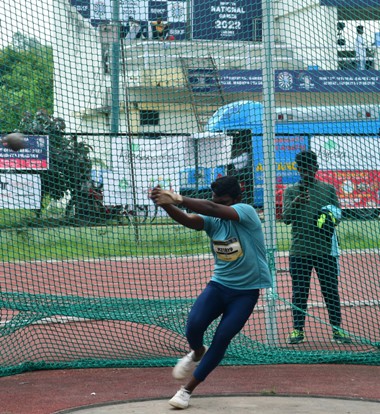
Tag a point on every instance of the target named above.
point(138, 214)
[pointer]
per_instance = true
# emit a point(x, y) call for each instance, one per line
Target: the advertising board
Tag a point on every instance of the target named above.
point(225, 20)
point(209, 19)
point(286, 148)
point(34, 157)
point(355, 189)
point(174, 162)
point(137, 168)
point(175, 12)
point(20, 191)
point(352, 165)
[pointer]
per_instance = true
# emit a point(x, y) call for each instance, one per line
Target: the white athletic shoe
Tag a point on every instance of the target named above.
point(186, 365)
point(181, 399)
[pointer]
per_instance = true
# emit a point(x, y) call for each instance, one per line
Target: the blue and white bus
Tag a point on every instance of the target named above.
point(345, 139)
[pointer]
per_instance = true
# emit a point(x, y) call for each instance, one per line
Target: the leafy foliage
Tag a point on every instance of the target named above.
point(26, 80)
point(70, 164)
point(26, 86)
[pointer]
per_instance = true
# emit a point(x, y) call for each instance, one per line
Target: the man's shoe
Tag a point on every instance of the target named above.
point(296, 337)
point(341, 338)
point(186, 365)
point(181, 399)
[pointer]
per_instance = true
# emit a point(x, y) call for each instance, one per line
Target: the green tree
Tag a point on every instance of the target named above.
point(69, 160)
point(26, 80)
point(26, 86)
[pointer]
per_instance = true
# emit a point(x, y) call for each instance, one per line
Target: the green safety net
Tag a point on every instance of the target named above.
point(115, 97)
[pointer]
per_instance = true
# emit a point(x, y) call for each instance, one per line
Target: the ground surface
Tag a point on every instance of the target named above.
point(112, 391)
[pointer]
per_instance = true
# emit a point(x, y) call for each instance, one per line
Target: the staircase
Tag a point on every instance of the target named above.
point(203, 83)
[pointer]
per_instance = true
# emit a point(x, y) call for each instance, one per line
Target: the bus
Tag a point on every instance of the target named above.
point(345, 139)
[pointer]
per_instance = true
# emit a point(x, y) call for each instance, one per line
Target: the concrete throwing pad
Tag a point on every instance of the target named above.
point(240, 404)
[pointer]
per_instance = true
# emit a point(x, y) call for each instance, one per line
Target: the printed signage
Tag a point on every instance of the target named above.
point(20, 191)
point(144, 11)
point(355, 189)
point(347, 152)
point(169, 162)
point(154, 162)
point(225, 20)
point(241, 80)
point(358, 4)
point(352, 165)
point(34, 157)
point(327, 81)
point(210, 19)
point(83, 7)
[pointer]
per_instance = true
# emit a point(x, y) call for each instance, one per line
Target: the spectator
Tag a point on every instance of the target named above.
point(240, 271)
point(312, 208)
point(133, 30)
point(160, 30)
point(360, 49)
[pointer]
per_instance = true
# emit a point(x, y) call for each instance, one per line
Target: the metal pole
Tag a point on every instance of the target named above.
point(269, 167)
point(196, 159)
point(134, 219)
point(189, 26)
point(115, 67)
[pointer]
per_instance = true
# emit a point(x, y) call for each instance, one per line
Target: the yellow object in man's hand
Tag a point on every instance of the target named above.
point(323, 217)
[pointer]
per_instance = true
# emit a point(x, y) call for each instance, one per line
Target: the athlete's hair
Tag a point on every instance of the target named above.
point(227, 185)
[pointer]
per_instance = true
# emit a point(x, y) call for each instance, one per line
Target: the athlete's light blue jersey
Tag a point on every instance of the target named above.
point(239, 250)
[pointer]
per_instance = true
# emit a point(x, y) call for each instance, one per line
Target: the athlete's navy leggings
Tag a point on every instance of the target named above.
point(234, 305)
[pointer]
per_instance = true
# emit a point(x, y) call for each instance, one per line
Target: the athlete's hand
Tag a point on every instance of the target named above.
point(163, 197)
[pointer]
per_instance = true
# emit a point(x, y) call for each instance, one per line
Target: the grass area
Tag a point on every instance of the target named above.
point(160, 238)
point(352, 234)
point(102, 241)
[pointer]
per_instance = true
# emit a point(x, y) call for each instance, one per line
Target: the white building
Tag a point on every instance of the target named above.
point(153, 75)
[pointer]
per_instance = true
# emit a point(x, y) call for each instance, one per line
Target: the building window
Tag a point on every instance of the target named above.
point(347, 59)
point(257, 30)
point(149, 118)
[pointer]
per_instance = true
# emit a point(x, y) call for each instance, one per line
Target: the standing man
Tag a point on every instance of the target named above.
point(312, 208)
point(360, 48)
point(240, 271)
point(160, 30)
point(134, 30)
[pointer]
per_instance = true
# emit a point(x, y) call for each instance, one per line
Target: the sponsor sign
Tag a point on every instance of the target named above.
point(145, 11)
point(169, 162)
point(327, 81)
point(355, 189)
point(20, 191)
point(225, 20)
point(331, 81)
point(359, 4)
point(34, 157)
point(352, 165)
point(82, 6)
point(154, 162)
point(286, 148)
point(210, 19)
point(346, 152)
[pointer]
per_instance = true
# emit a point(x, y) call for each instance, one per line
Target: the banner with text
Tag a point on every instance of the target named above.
point(20, 191)
point(34, 157)
point(210, 19)
point(286, 80)
point(226, 20)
